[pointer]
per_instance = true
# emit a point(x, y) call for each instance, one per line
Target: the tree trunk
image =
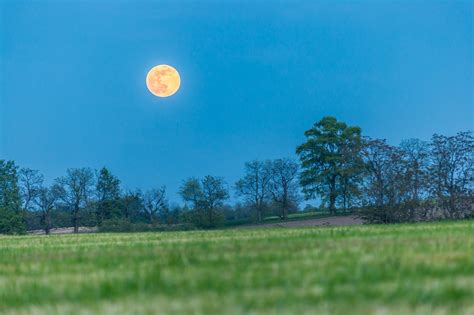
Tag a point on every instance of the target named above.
point(344, 201)
point(47, 221)
point(75, 219)
point(99, 216)
point(285, 210)
point(332, 196)
point(210, 217)
point(285, 201)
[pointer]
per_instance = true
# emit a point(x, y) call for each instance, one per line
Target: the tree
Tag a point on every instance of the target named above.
point(11, 217)
point(154, 201)
point(191, 191)
point(255, 186)
point(131, 204)
point(351, 170)
point(323, 159)
point(452, 170)
point(384, 181)
point(214, 193)
point(30, 183)
point(108, 195)
point(45, 200)
point(415, 154)
point(283, 186)
point(75, 190)
point(206, 197)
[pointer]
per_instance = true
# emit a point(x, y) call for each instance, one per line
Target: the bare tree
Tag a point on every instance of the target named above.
point(415, 154)
point(154, 201)
point(383, 183)
point(255, 186)
point(31, 182)
point(46, 200)
point(75, 190)
point(283, 184)
point(214, 192)
point(452, 170)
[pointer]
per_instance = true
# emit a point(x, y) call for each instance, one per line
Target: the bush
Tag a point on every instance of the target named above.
point(11, 222)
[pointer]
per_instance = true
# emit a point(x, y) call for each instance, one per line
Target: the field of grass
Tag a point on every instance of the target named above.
point(397, 269)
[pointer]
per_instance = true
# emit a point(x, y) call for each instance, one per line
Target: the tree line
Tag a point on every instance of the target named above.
point(338, 167)
point(414, 181)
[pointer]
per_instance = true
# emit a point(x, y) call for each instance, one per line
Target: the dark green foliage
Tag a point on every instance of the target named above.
point(108, 196)
point(131, 204)
point(11, 214)
point(330, 160)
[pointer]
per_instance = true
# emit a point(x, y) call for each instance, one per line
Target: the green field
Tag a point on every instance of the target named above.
point(397, 269)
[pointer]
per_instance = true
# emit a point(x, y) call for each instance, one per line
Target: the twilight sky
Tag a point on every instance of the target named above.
point(254, 76)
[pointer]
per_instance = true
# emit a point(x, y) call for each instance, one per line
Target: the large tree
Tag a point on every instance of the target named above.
point(11, 217)
point(324, 159)
point(108, 196)
point(255, 186)
point(75, 190)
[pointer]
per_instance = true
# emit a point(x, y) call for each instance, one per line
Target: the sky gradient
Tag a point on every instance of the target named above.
point(254, 76)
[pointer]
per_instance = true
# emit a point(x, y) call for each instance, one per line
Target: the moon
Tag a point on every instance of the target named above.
point(163, 80)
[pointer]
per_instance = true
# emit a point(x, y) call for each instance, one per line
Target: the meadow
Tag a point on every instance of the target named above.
point(423, 268)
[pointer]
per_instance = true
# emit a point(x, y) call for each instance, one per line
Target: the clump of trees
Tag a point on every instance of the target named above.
point(414, 181)
point(339, 167)
point(271, 183)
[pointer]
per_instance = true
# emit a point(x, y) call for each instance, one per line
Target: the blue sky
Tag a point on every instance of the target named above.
point(254, 76)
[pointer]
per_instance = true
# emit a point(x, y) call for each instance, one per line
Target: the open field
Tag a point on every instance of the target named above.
point(397, 269)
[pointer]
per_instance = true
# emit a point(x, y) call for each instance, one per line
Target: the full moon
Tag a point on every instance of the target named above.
point(163, 80)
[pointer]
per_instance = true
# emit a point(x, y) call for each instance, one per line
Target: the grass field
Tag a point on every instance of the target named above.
point(397, 269)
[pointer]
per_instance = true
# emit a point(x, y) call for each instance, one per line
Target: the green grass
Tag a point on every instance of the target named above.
point(397, 269)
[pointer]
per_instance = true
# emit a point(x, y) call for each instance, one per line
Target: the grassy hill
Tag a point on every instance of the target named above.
point(394, 269)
